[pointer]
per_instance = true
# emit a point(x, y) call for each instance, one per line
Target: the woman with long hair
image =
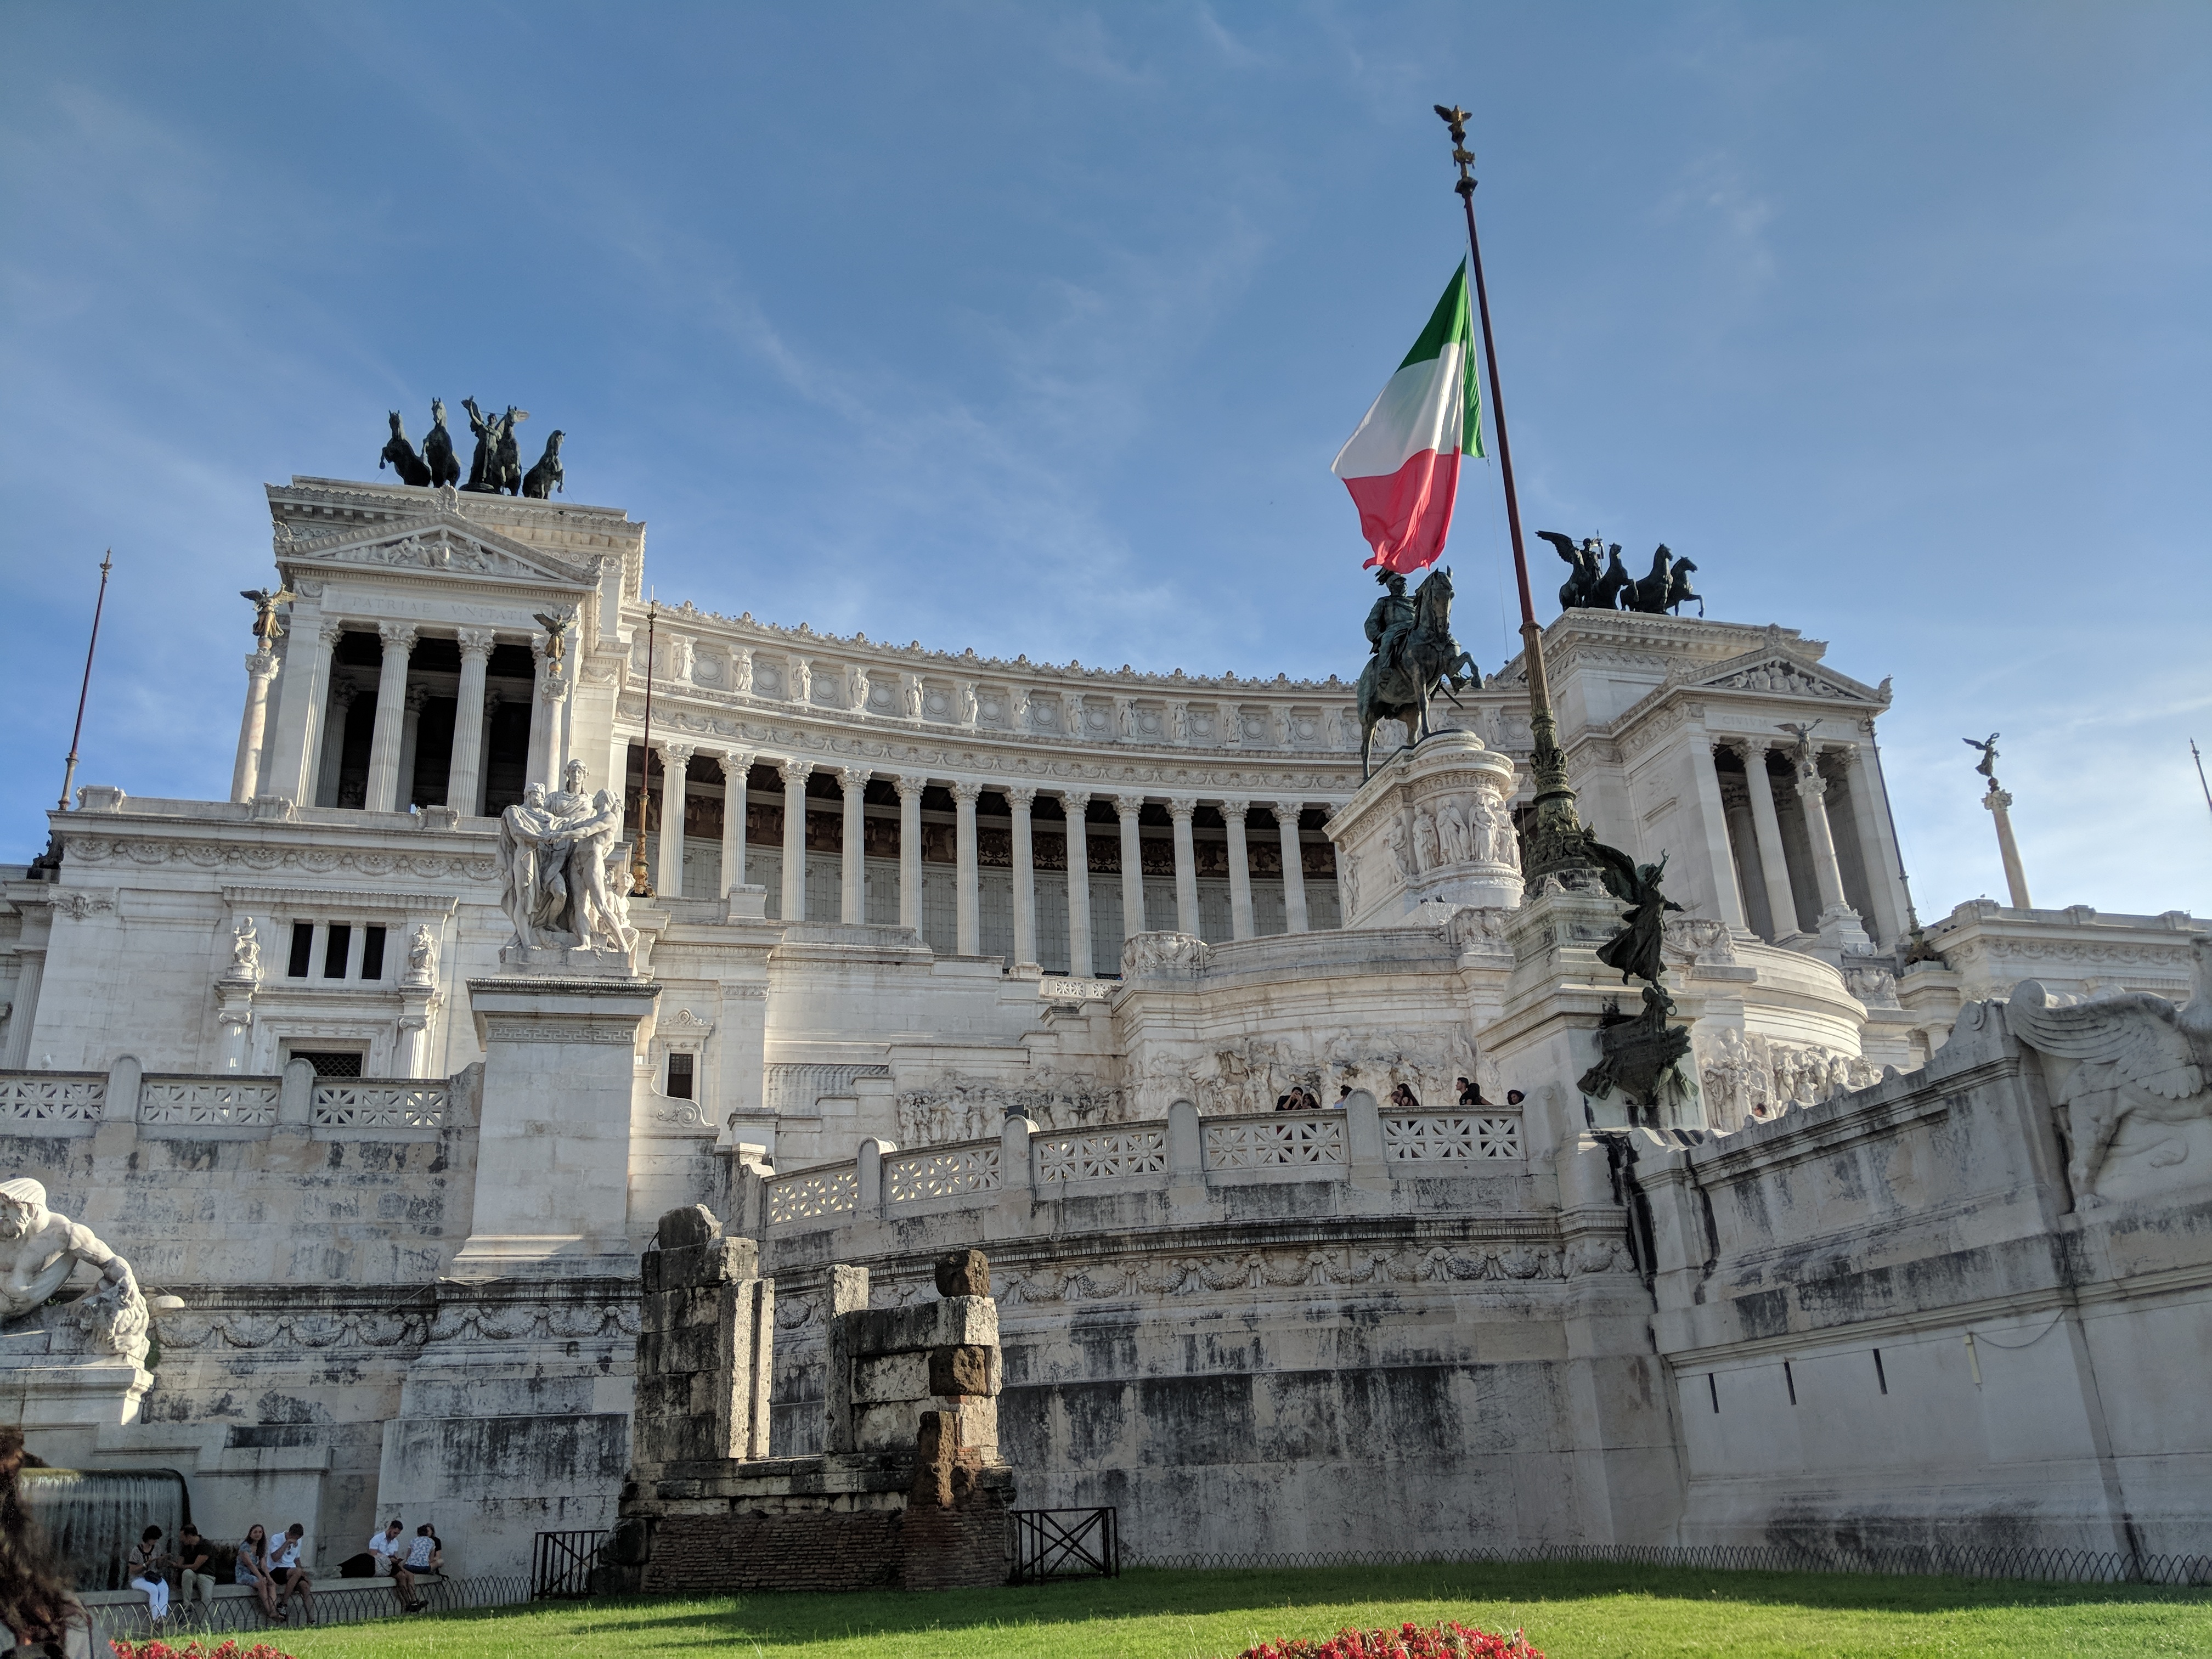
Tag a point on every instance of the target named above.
point(37, 1611)
point(251, 1568)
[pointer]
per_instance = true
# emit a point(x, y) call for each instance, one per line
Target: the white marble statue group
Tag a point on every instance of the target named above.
point(561, 883)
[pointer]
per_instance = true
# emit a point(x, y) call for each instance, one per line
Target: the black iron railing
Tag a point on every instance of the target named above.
point(561, 1563)
point(1044, 1544)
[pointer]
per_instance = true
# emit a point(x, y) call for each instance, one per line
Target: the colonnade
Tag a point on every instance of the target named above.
point(852, 782)
point(311, 726)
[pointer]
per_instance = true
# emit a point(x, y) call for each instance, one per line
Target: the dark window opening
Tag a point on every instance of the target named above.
point(1714, 1389)
point(1790, 1381)
point(372, 953)
point(303, 950)
point(679, 1076)
point(330, 1062)
point(1881, 1376)
point(335, 952)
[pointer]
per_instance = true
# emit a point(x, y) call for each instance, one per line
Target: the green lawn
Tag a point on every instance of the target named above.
point(1570, 1612)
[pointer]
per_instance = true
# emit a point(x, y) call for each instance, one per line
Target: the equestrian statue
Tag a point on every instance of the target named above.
point(437, 447)
point(400, 455)
point(1412, 655)
point(1666, 589)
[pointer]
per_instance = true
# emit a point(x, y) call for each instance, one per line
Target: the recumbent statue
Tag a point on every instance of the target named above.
point(40, 1248)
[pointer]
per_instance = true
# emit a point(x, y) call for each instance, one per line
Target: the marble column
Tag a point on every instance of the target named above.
point(967, 907)
point(30, 970)
point(1866, 818)
point(1180, 808)
point(464, 781)
point(410, 730)
point(252, 728)
point(1240, 869)
point(795, 773)
point(1705, 779)
point(289, 765)
point(1294, 868)
point(331, 756)
point(1132, 866)
point(391, 713)
point(1840, 930)
point(909, 793)
point(1773, 860)
point(1026, 951)
point(736, 763)
point(546, 725)
point(1079, 962)
point(853, 873)
point(1999, 803)
point(675, 784)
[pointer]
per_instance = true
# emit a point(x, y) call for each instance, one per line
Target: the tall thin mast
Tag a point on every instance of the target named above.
point(69, 768)
point(1554, 836)
point(641, 872)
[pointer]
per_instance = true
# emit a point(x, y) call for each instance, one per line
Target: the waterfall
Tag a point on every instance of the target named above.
point(93, 1517)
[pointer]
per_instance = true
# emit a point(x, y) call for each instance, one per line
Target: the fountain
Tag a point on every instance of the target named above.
point(93, 1517)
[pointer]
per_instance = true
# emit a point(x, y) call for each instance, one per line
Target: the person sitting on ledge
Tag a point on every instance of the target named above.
point(292, 1579)
point(389, 1547)
point(193, 1578)
point(146, 1565)
point(426, 1556)
point(251, 1568)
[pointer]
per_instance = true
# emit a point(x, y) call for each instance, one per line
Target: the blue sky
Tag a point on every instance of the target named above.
point(1034, 328)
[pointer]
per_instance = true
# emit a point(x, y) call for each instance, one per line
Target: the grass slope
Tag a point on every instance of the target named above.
point(1569, 1611)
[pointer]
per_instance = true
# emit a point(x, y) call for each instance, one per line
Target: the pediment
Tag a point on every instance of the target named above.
point(1777, 673)
point(442, 544)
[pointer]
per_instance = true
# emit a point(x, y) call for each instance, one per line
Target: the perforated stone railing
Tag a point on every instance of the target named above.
point(1101, 1155)
point(1182, 1154)
point(1283, 1140)
point(942, 1172)
point(812, 1194)
point(1444, 1137)
point(210, 1102)
point(52, 1103)
point(376, 1104)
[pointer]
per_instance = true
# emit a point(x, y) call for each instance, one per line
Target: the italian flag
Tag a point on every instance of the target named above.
point(1402, 465)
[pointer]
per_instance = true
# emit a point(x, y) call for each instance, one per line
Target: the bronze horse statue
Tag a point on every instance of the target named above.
point(1649, 594)
point(1430, 660)
point(400, 455)
point(437, 447)
point(547, 475)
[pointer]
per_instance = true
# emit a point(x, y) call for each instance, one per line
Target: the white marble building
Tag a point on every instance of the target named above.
point(269, 1048)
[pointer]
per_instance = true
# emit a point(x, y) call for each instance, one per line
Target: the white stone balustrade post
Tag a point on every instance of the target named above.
point(1024, 867)
point(1132, 866)
point(465, 779)
point(289, 769)
point(1180, 808)
point(736, 764)
point(1773, 858)
point(795, 774)
point(1294, 869)
point(391, 712)
point(1074, 804)
point(967, 906)
point(909, 793)
point(1240, 869)
point(252, 726)
point(853, 884)
point(675, 778)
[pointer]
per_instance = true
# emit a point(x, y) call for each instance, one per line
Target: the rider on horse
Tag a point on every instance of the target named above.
point(1389, 623)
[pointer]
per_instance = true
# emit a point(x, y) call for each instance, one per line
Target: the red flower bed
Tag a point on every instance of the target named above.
point(1408, 1641)
point(192, 1649)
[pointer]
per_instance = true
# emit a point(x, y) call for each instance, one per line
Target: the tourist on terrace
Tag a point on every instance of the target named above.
point(1470, 1094)
point(1343, 1093)
point(193, 1578)
point(1513, 1096)
point(1403, 1098)
point(38, 1614)
point(292, 1579)
point(389, 1547)
point(252, 1569)
point(146, 1564)
point(426, 1556)
point(1309, 1100)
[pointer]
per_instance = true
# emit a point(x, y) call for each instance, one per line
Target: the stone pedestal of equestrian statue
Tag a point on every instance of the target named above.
point(1429, 828)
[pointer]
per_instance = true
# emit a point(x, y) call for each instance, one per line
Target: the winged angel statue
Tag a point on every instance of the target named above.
point(2135, 1056)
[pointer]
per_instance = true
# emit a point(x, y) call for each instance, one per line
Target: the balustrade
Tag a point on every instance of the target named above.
point(372, 1105)
point(52, 1103)
point(210, 1102)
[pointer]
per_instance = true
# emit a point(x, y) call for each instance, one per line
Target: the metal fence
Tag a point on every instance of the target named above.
point(1045, 1544)
point(343, 1602)
point(561, 1563)
point(2064, 1566)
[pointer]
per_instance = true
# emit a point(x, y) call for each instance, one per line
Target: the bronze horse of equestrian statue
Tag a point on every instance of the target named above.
point(400, 455)
point(1431, 660)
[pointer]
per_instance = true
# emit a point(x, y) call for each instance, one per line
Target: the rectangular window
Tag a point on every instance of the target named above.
point(303, 950)
point(334, 952)
point(1881, 1376)
point(679, 1076)
point(331, 1063)
point(372, 953)
point(1790, 1381)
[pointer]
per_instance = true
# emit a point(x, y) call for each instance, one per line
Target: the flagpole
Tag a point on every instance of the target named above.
point(1556, 840)
point(640, 868)
point(84, 690)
